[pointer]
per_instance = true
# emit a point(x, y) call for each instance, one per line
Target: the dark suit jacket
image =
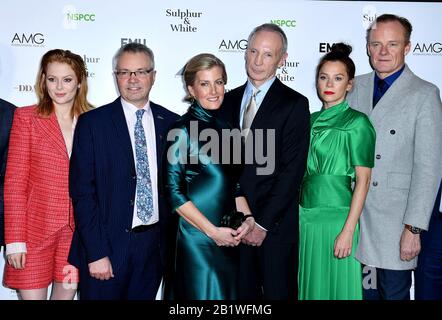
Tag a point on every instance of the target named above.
point(103, 182)
point(274, 198)
point(6, 116)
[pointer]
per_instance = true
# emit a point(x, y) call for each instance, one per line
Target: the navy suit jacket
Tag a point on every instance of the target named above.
point(103, 181)
point(273, 198)
point(6, 115)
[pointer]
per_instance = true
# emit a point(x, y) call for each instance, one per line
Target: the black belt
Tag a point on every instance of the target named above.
point(143, 228)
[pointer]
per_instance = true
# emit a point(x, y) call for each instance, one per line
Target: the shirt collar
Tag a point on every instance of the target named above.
point(391, 78)
point(262, 89)
point(132, 108)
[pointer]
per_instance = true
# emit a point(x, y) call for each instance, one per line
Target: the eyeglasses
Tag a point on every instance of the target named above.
point(126, 74)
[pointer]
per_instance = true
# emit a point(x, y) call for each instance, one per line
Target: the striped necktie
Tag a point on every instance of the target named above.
point(249, 114)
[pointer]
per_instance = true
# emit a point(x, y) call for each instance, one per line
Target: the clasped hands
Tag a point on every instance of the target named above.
point(247, 233)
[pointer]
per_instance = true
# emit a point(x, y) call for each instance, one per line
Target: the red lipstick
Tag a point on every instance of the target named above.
point(329, 92)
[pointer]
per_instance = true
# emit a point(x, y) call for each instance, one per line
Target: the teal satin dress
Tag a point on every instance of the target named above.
point(203, 270)
point(341, 138)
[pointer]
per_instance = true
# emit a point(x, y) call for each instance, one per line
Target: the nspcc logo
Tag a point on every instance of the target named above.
point(72, 17)
point(28, 39)
point(87, 17)
point(290, 23)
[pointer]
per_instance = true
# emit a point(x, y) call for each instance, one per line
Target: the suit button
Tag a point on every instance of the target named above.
point(392, 131)
point(134, 177)
point(378, 156)
point(126, 230)
point(375, 183)
point(131, 202)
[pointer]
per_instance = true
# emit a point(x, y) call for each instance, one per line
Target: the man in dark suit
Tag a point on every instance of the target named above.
point(119, 212)
point(268, 263)
point(428, 275)
point(6, 115)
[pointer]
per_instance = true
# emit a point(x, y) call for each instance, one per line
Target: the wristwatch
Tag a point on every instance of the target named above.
point(414, 230)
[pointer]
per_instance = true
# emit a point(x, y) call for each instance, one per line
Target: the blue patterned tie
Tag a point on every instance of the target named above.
point(144, 185)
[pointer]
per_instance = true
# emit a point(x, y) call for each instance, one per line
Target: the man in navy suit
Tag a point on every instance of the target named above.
point(269, 254)
point(428, 275)
point(6, 115)
point(120, 215)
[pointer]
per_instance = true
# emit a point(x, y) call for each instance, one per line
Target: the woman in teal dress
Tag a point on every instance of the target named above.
point(334, 187)
point(202, 186)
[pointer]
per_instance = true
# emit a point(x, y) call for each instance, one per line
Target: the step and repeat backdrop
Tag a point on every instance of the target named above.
point(176, 30)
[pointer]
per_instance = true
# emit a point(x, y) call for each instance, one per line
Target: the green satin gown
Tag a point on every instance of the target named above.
point(340, 139)
point(203, 270)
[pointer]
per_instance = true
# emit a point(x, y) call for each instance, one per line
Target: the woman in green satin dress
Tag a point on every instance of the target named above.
point(202, 186)
point(334, 187)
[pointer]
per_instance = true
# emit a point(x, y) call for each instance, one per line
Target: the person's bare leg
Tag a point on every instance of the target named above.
point(63, 291)
point(33, 294)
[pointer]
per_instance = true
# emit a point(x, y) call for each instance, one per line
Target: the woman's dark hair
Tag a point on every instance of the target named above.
point(339, 52)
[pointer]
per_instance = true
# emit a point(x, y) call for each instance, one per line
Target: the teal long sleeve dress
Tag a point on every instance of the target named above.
point(340, 139)
point(203, 270)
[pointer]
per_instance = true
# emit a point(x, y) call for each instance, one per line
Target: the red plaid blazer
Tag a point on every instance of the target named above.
point(36, 196)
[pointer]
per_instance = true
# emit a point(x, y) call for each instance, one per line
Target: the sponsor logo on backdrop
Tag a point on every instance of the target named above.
point(368, 15)
point(286, 72)
point(90, 64)
point(228, 45)
point(290, 23)
point(325, 47)
point(72, 17)
point(183, 19)
point(24, 88)
point(28, 39)
point(427, 48)
point(80, 17)
point(125, 41)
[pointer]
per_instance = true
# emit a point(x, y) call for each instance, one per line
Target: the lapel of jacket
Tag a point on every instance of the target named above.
point(160, 129)
point(391, 101)
point(122, 132)
point(270, 102)
point(51, 129)
point(365, 94)
point(237, 104)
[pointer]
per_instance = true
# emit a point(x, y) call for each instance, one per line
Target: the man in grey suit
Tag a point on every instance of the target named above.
point(406, 112)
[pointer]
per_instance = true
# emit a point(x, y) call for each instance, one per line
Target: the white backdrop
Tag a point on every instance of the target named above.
point(176, 30)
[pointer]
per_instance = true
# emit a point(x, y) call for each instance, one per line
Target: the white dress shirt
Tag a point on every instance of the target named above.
point(149, 130)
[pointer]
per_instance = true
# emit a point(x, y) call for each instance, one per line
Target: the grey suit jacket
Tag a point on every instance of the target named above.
point(408, 165)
